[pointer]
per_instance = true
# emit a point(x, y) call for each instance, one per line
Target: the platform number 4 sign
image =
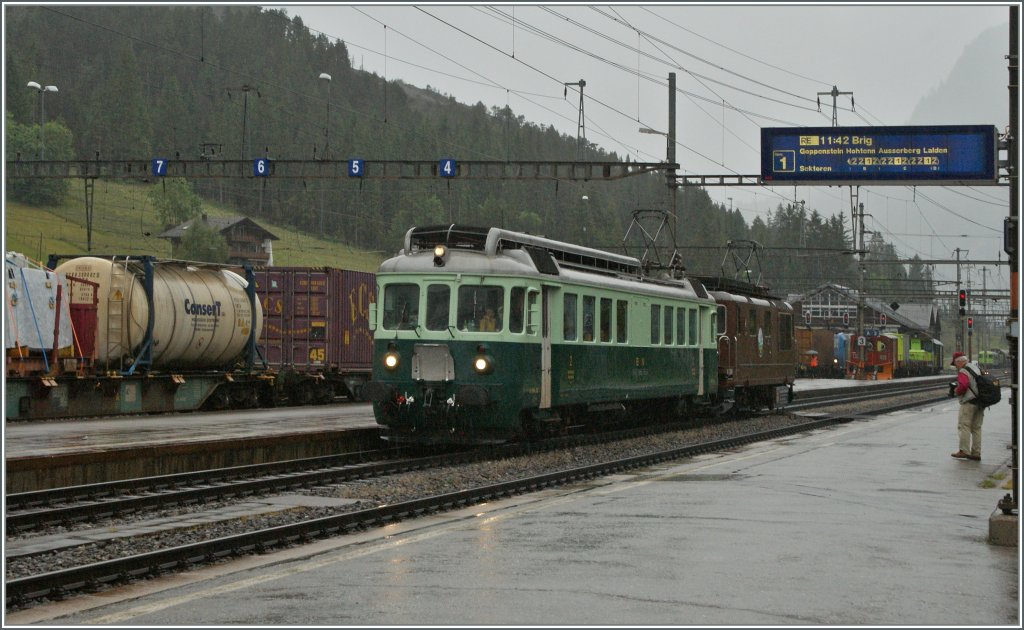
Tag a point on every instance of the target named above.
point(446, 167)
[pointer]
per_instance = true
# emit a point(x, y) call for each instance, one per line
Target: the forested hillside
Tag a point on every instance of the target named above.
point(238, 82)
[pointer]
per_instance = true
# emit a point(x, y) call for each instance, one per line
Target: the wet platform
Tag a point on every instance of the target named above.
point(866, 523)
point(40, 455)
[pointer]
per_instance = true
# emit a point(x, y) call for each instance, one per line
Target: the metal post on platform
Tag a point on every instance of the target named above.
point(1010, 504)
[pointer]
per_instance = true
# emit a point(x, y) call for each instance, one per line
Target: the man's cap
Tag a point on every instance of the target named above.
point(956, 355)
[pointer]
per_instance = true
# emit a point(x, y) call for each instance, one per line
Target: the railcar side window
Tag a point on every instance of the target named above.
point(692, 326)
point(785, 331)
point(622, 308)
point(606, 319)
point(569, 317)
point(768, 330)
point(655, 323)
point(438, 306)
point(588, 317)
point(480, 308)
point(720, 324)
point(401, 306)
point(516, 305)
point(668, 325)
point(752, 322)
point(680, 326)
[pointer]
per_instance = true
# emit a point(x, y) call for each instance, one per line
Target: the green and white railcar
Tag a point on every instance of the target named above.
point(489, 335)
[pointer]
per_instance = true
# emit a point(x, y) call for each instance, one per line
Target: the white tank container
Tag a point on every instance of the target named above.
point(202, 315)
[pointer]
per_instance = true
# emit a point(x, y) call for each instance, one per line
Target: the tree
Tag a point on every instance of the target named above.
point(23, 140)
point(175, 202)
point(201, 243)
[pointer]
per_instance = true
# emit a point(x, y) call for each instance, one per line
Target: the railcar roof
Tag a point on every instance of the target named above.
point(492, 241)
point(520, 261)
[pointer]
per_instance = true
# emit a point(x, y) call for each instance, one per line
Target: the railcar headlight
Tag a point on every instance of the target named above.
point(391, 357)
point(440, 251)
point(482, 363)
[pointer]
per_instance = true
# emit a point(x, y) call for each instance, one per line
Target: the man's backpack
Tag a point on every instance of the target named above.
point(988, 392)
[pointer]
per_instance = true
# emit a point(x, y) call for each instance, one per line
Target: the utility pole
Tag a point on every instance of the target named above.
point(670, 154)
point(245, 89)
point(960, 314)
point(581, 131)
point(860, 291)
point(835, 93)
point(983, 342)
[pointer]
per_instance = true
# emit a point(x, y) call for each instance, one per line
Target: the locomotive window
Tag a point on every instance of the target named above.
point(768, 323)
point(569, 317)
point(752, 322)
point(438, 306)
point(588, 317)
point(692, 326)
point(515, 309)
point(481, 308)
point(622, 308)
point(655, 323)
point(680, 326)
point(401, 306)
point(606, 319)
point(668, 325)
point(785, 331)
point(720, 324)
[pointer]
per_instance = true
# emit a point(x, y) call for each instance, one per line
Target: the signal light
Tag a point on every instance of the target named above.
point(846, 319)
point(970, 323)
point(963, 298)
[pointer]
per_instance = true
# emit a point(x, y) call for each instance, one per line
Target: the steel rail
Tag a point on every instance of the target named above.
point(64, 506)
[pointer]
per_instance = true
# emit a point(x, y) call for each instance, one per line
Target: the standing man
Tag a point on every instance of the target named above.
point(971, 415)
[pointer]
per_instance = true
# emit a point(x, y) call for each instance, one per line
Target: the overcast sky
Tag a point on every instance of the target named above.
point(745, 66)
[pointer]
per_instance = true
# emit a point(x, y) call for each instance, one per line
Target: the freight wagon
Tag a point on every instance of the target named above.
point(316, 336)
point(133, 334)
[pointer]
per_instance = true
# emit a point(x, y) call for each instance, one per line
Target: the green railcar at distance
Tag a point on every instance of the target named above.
point(487, 335)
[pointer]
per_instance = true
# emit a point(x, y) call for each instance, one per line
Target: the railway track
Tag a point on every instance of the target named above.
point(23, 590)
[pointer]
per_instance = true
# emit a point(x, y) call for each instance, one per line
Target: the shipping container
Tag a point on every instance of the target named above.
point(316, 333)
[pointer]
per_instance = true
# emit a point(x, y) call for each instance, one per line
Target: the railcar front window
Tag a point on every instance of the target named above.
point(655, 323)
point(720, 324)
point(438, 306)
point(752, 322)
point(692, 326)
point(668, 325)
point(401, 306)
point(517, 303)
point(680, 326)
point(481, 308)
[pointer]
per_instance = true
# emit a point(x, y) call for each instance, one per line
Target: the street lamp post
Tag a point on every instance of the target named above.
point(42, 117)
point(327, 144)
point(670, 158)
point(327, 121)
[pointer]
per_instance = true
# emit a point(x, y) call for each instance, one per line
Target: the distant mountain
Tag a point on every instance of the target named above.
point(975, 92)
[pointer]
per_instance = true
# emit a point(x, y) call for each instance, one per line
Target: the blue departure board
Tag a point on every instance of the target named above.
point(954, 154)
